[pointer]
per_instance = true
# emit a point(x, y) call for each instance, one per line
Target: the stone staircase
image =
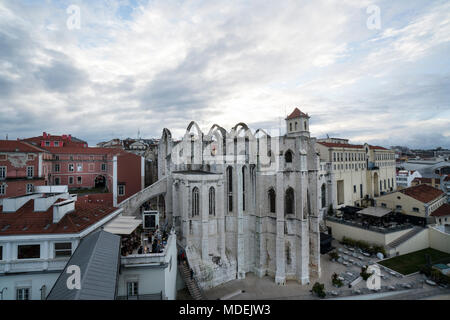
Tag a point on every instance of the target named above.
point(402, 239)
point(192, 285)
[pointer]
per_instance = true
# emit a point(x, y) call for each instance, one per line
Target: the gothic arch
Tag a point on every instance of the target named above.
point(289, 201)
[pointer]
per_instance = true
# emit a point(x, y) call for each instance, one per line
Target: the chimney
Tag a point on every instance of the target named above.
point(70, 137)
point(62, 208)
point(44, 134)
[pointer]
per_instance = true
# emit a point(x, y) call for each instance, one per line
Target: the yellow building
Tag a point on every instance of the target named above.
point(355, 172)
point(418, 202)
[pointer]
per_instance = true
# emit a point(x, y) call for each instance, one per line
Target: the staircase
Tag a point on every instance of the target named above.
point(400, 240)
point(192, 284)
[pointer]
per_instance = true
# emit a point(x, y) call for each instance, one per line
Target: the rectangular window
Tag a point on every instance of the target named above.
point(360, 191)
point(30, 251)
point(103, 166)
point(2, 189)
point(63, 249)
point(1, 253)
point(2, 172)
point(71, 167)
point(416, 209)
point(383, 205)
point(399, 207)
point(57, 168)
point(354, 189)
point(79, 180)
point(23, 294)
point(47, 143)
point(3, 157)
point(30, 171)
point(57, 181)
point(132, 288)
point(56, 157)
point(71, 180)
point(121, 188)
point(30, 157)
point(91, 167)
point(30, 188)
point(79, 167)
point(56, 143)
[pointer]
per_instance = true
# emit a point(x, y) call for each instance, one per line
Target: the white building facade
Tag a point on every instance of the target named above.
point(354, 173)
point(244, 202)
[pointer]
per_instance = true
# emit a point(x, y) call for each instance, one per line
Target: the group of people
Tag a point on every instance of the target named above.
point(130, 244)
point(157, 241)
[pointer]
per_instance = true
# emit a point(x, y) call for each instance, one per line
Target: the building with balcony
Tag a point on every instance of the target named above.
point(405, 178)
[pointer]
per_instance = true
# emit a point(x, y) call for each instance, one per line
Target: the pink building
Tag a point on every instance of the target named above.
point(21, 168)
point(121, 173)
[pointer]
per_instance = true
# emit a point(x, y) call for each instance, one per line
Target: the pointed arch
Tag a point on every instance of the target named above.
point(289, 201)
point(272, 200)
point(195, 125)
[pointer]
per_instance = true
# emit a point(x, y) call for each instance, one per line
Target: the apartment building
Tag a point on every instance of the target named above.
point(355, 172)
point(22, 168)
point(38, 234)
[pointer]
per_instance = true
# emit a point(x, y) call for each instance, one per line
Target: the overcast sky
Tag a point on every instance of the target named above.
point(145, 65)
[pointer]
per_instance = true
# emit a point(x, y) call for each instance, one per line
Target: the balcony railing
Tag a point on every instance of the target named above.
point(151, 296)
point(370, 228)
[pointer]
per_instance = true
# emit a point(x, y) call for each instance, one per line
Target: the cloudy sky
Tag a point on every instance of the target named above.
point(145, 65)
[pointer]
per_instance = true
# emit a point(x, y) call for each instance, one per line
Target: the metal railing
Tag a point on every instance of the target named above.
point(150, 296)
point(370, 228)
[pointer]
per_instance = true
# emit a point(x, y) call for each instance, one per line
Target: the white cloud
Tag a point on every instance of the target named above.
point(220, 62)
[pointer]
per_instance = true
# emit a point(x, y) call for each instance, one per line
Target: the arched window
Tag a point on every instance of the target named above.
point(272, 201)
point(288, 156)
point(290, 126)
point(195, 202)
point(288, 254)
point(289, 202)
point(306, 128)
point(324, 195)
point(296, 125)
point(212, 201)
point(244, 173)
point(230, 188)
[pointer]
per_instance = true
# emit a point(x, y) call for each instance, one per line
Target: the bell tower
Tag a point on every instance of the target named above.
point(297, 124)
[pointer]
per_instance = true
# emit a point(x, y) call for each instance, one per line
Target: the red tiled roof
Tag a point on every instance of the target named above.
point(104, 198)
point(25, 221)
point(377, 148)
point(81, 150)
point(422, 180)
point(422, 192)
point(443, 210)
point(341, 145)
point(296, 114)
point(18, 146)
